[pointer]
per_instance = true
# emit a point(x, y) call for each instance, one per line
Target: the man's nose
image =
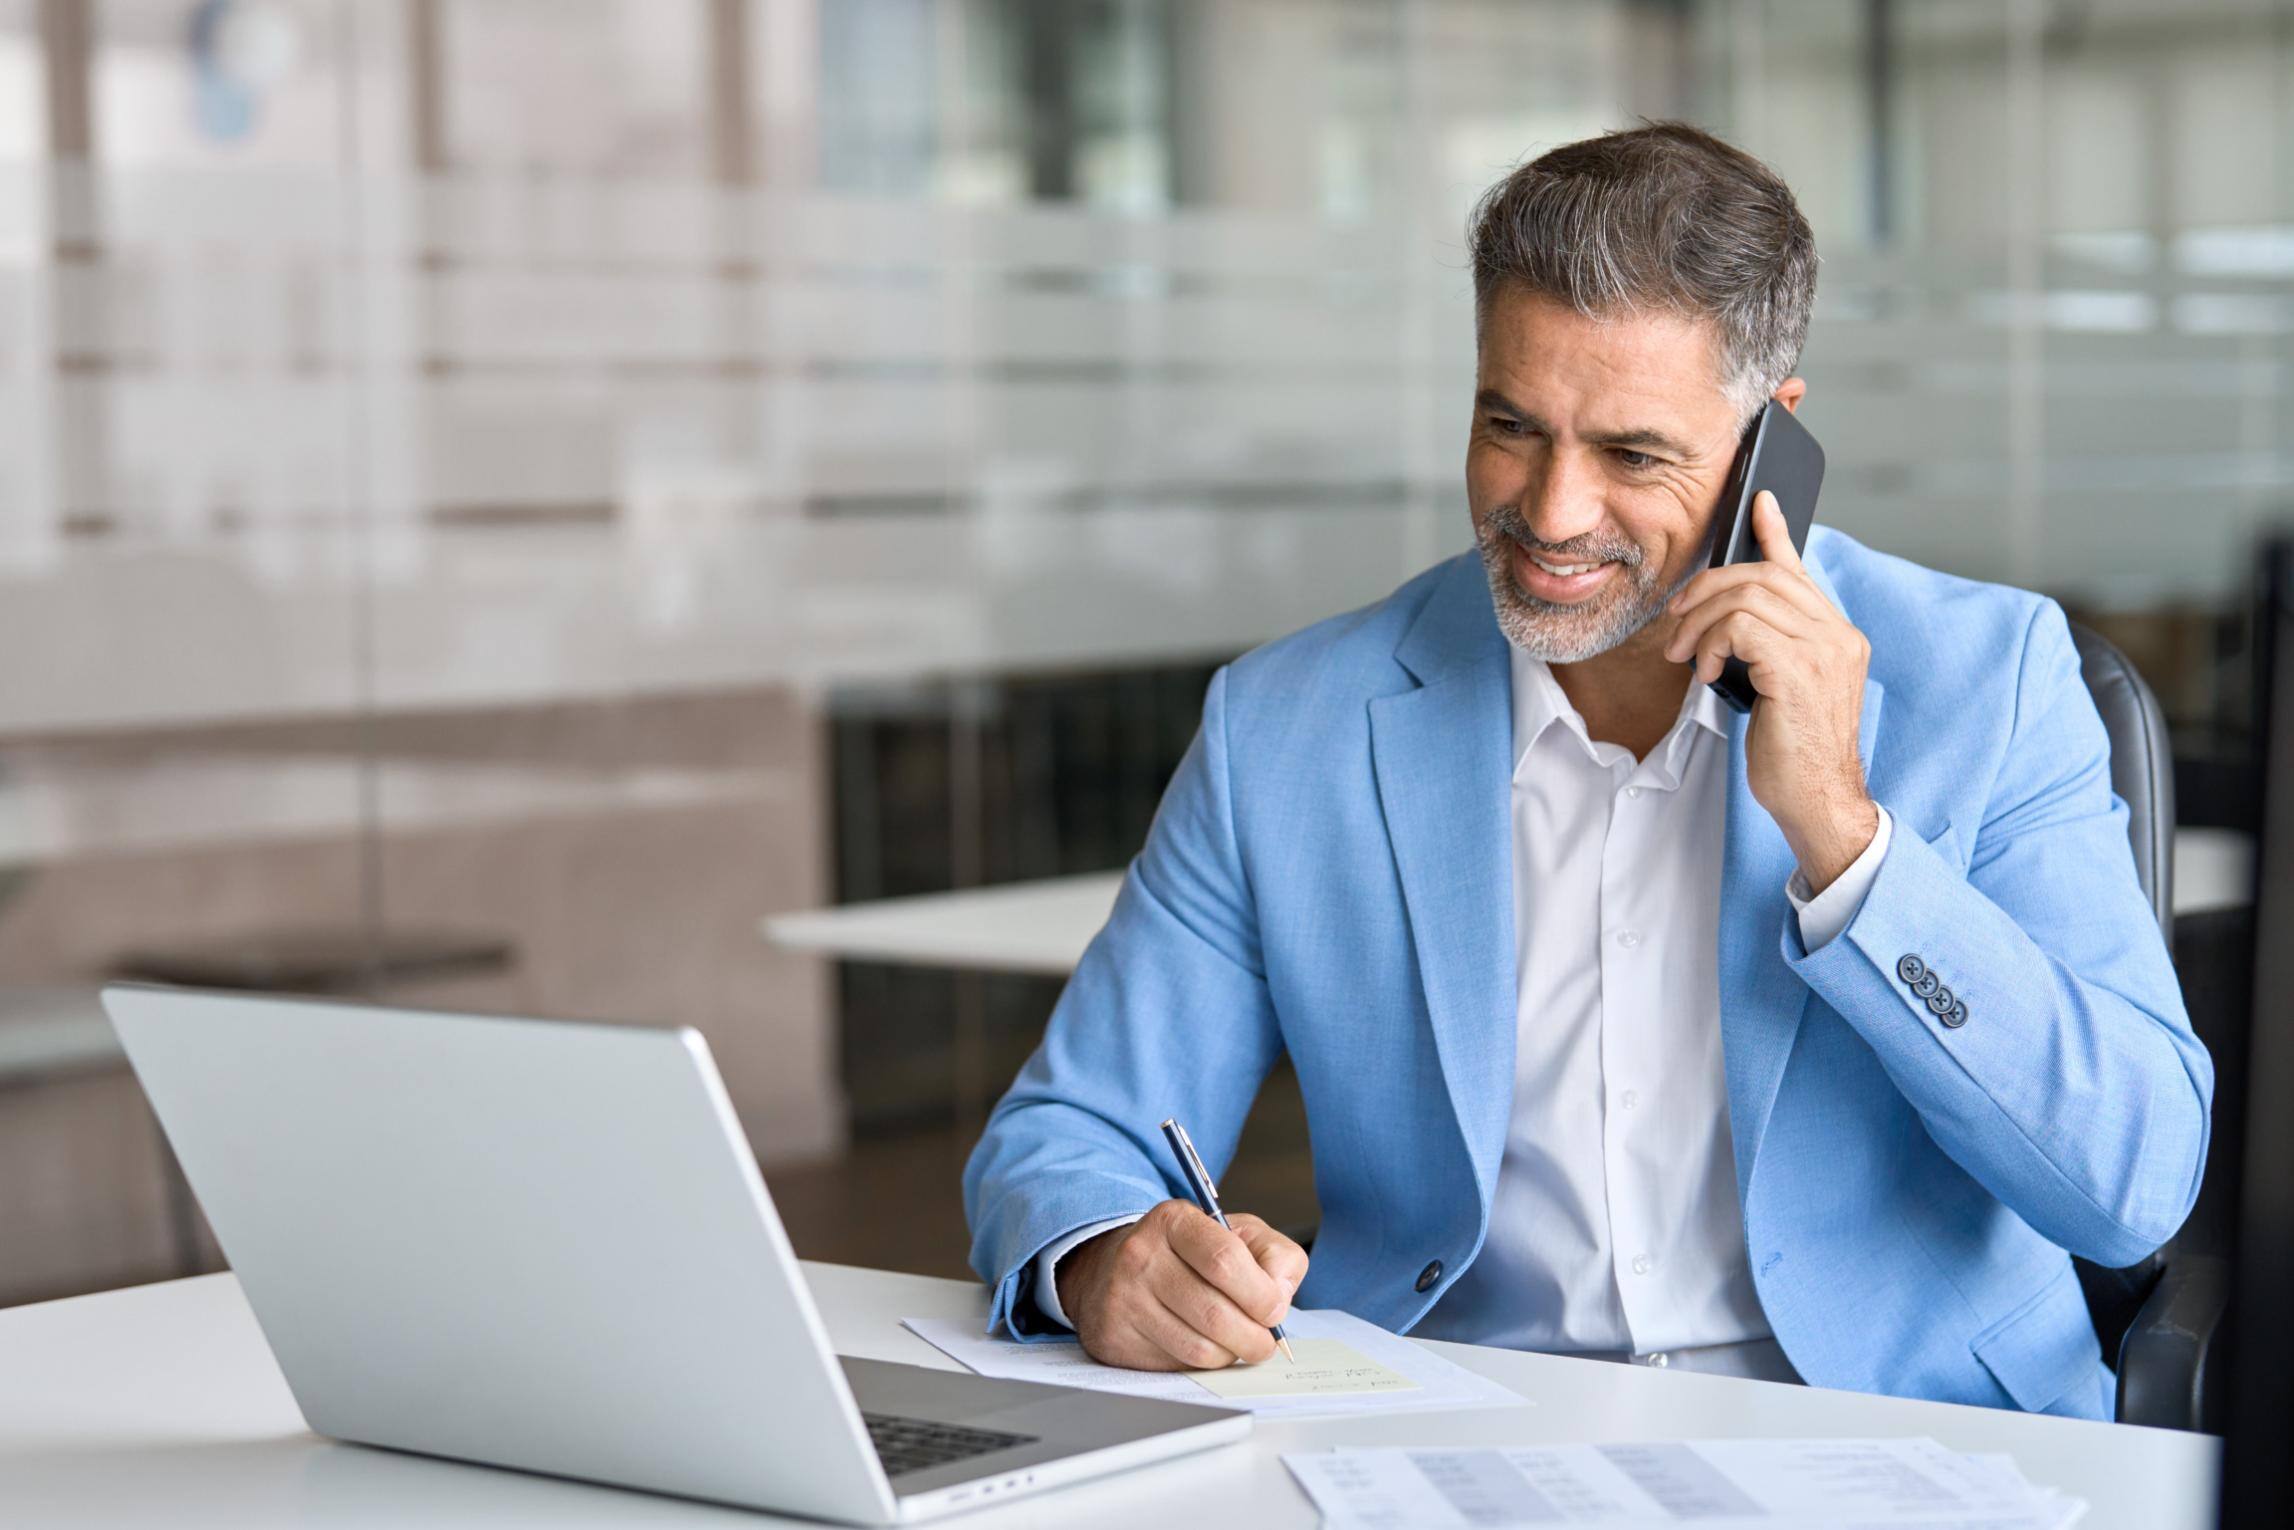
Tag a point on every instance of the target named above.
point(1564, 501)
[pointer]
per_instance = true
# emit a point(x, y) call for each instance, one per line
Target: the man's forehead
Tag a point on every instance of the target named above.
point(1516, 314)
point(1629, 372)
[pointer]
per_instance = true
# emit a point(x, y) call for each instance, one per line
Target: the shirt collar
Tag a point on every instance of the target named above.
point(1539, 703)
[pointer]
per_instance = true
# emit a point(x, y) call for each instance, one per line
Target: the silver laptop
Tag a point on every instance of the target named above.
point(545, 1245)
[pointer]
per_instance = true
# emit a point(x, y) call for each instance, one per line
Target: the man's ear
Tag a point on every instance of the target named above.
point(1791, 391)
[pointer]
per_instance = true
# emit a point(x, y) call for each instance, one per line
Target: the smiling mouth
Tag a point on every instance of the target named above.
point(1562, 582)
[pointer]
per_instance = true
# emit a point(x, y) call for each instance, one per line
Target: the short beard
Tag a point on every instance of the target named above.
point(1559, 634)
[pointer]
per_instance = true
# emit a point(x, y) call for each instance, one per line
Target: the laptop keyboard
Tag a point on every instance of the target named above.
point(913, 1444)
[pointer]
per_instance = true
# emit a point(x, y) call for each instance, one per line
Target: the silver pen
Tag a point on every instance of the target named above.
point(1207, 1196)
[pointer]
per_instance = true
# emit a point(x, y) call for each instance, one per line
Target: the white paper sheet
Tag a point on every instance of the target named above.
point(1911, 1484)
point(1435, 1382)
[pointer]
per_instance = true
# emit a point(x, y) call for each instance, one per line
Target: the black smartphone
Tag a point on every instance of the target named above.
point(1779, 455)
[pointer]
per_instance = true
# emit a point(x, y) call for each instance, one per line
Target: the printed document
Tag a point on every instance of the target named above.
point(1345, 1365)
point(1890, 1484)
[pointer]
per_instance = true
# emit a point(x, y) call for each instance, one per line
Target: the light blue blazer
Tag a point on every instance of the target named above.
point(1329, 876)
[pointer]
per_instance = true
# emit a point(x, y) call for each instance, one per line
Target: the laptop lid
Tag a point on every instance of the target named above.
point(536, 1244)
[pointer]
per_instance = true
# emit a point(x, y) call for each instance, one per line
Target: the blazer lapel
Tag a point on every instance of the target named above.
point(1442, 754)
point(1762, 1001)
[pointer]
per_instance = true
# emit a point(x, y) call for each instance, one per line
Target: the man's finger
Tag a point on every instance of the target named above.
point(1172, 1336)
point(1279, 1256)
point(1738, 635)
point(1792, 584)
point(1210, 1312)
point(1751, 599)
point(1227, 1264)
point(1773, 535)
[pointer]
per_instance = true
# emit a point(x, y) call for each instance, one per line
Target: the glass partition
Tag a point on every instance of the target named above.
point(502, 497)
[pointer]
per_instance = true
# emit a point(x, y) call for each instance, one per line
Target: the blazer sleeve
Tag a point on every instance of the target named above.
point(2071, 1086)
point(1167, 1015)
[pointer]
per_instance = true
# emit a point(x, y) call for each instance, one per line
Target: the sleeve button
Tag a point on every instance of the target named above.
point(1940, 1002)
point(1956, 1016)
point(1910, 968)
point(1429, 1275)
point(1929, 985)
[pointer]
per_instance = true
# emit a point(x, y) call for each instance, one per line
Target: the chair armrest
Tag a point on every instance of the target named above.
point(2163, 1374)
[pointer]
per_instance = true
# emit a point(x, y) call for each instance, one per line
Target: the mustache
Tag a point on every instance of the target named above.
point(1506, 521)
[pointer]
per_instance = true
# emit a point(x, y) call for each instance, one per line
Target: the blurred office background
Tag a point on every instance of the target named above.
point(500, 497)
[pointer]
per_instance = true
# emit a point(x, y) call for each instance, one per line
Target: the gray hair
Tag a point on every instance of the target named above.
point(1661, 217)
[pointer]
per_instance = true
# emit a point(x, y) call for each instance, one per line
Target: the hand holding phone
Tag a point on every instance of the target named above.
point(1780, 456)
point(1757, 628)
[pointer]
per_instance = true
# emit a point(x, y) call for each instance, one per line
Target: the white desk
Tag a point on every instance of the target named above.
point(1042, 927)
point(1037, 927)
point(161, 1406)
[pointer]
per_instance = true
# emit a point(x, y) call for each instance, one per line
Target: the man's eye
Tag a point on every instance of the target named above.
point(1504, 426)
point(1634, 459)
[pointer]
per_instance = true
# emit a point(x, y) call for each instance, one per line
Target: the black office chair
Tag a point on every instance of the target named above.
point(2156, 1319)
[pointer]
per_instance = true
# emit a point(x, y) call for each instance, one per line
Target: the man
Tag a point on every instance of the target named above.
point(1803, 1046)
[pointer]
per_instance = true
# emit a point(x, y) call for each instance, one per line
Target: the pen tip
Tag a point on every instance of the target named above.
point(1284, 1346)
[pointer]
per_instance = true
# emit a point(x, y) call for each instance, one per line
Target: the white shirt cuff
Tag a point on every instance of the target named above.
point(1830, 911)
point(1047, 1266)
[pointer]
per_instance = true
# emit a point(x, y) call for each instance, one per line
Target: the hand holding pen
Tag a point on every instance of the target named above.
point(1207, 1196)
point(1176, 1291)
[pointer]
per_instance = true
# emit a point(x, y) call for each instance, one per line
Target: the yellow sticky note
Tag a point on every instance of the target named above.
point(1324, 1366)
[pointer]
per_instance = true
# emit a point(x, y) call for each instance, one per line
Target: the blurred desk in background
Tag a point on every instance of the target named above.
point(1029, 929)
point(51, 1031)
point(1043, 927)
point(2214, 868)
point(1032, 927)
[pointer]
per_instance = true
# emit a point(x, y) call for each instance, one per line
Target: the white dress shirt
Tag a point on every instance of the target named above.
point(1615, 1228)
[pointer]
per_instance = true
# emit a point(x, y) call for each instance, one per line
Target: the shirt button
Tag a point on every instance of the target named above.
point(1628, 938)
point(1641, 1263)
point(1630, 1099)
point(1633, 792)
point(1660, 1360)
point(1429, 1275)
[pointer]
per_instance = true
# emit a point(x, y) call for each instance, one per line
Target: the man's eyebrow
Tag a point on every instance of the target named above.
point(1635, 440)
point(1616, 440)
point(1490, 398)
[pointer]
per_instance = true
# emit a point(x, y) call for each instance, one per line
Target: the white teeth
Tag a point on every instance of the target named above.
point(1563, 570)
